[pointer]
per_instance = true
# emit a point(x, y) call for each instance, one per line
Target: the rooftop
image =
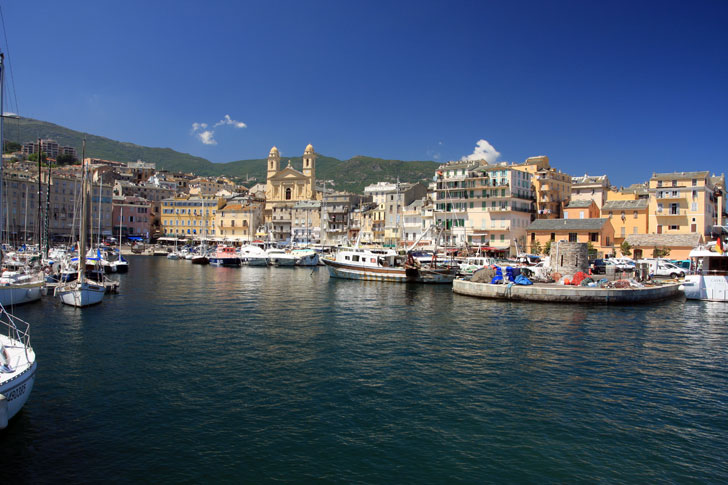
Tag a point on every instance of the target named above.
point(618, 205)
point(680, 175)
point(665, 240)
point(567, 224)
point(580, 203)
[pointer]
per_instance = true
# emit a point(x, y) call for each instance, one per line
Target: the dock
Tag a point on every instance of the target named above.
point(553, 293)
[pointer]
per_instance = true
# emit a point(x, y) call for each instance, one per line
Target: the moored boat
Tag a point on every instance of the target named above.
point(17, 366)
point(225, 256)
point(708, 278)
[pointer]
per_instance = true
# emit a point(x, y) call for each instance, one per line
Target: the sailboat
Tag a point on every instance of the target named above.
point(17, 358)
point(81, 293)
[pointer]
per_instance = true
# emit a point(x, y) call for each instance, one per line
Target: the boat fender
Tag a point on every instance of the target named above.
point(47, 270)
point(4, 356)
point(3, 411)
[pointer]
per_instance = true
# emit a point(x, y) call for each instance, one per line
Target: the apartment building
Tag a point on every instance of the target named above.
point(238, 220)
point(686, 202)
point(131, 216)
point(552, 188)
point(485, 205)
point(391, 199)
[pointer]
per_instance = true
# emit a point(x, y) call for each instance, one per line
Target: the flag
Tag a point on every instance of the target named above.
point(719, 246)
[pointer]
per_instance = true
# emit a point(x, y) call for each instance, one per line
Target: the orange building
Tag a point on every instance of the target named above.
point(628, 217)
point(581, 209)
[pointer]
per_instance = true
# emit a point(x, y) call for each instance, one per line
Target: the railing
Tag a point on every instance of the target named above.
point(11, 324)
point(670, 212)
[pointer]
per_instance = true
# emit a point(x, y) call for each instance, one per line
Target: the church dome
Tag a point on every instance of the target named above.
point(274, 151)
point(309, 148)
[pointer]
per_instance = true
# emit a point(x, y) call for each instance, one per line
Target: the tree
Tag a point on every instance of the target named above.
point(33, 157)
point(625, 249)
point(65, 159)
point(591, 250)
point(660, 252)
point(547, 248)
point(536, 248)
point(11, 146)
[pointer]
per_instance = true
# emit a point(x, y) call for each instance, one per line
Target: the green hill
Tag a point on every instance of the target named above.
point(352, 175)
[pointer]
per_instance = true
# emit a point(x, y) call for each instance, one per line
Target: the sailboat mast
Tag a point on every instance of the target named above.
point(40, 194)
point(82, 228)
point(2, 132)
point(46, 226)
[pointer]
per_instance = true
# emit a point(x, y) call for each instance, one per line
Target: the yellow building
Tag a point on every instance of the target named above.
point(191, 217)
point(685, 202)
point(581, 209)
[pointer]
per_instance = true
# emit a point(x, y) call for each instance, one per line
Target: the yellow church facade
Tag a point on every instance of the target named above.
point(284, 188)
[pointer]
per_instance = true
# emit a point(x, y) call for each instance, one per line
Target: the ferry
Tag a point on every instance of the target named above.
point(708, 278)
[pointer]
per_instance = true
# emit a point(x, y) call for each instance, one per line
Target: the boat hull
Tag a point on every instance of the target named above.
point(395, 275)
point(80, 296)
point(706, 287)
point(225, 262)
point(17, 390)
point(19, 294)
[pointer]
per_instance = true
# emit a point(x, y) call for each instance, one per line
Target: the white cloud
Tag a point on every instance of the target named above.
point(229, 121)
point(483, 151)
point(208, 136)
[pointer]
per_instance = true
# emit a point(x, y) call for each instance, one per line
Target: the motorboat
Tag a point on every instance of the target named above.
point(474, 263)
point(254, 255)
point(17, 366)
point(708, 276)
point(225, 256)
point(279, 257)
point(306, 257)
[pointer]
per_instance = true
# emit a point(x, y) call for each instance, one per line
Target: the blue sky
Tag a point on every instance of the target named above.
point(622, 88)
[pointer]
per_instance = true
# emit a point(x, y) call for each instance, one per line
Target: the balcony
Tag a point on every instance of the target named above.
point(671, 213)
point(671, 196)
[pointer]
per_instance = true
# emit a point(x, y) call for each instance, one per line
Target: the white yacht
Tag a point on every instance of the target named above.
point(254, 255)
point(17, 366)
point(708, 278)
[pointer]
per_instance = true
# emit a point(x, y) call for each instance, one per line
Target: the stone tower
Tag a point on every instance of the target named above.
point(309, 164)
point(274, 162)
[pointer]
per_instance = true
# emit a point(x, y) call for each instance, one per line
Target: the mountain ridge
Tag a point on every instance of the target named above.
point(351, 175)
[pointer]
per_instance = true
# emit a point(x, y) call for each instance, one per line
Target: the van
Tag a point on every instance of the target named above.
point(663, 268)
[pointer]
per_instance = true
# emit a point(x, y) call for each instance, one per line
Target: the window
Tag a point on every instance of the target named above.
point(553, 236)
point(572, 237)
point(695, 183)
point(594, 236)
point(634, 230)
point(635, 214)
point(288, 194)
point(674, 228)
point(624, 231)
point(581, 214)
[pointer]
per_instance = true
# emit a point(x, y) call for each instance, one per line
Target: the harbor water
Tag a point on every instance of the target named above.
point(203, 374)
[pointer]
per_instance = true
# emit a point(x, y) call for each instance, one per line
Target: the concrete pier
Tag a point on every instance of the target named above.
point(554, 293)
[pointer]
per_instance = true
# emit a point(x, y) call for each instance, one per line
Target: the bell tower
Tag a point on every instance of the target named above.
point(309, 165)
point(274, 162)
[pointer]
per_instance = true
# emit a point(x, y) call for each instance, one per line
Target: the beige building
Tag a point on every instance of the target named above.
point(286, 187)
point(238, 220)
point(590, 187)
point(628, 217)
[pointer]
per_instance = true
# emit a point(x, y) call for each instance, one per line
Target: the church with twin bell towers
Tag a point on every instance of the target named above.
point(285, 188)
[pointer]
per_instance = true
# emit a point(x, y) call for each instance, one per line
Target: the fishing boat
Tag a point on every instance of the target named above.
point(708, 278)
point(17, 366)
point(385, 265)
point(81, 292)
point(225, 256)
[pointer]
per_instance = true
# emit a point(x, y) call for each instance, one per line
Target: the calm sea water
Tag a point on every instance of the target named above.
point(202, 374)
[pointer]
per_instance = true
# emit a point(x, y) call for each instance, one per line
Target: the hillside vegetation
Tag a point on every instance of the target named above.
point(351, 175)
